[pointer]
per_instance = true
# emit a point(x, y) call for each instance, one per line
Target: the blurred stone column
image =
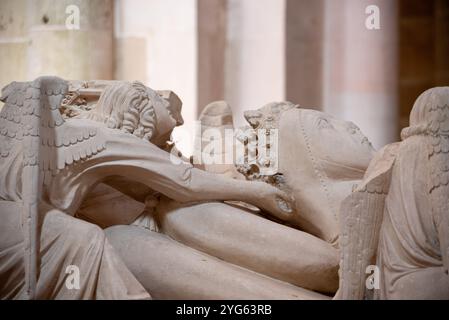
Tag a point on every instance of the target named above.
point(211, 50)
point(14, 41)
point(304, 32)
point(255, 54)
point(442, 42)
point(35, 40)
point(361, 67)
point(157, 43)
point(84, 53)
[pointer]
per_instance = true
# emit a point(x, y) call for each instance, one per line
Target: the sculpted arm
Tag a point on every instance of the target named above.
point(127, 156)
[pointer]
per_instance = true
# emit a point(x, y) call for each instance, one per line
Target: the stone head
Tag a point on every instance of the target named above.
point(320, 158)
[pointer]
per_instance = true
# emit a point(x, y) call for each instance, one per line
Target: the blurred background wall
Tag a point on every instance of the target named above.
point(319, 53)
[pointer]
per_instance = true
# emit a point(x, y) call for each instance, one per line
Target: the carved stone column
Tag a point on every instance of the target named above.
point(35, 39)
point(255, 54)
point(442, 42)
point(212, 18)
point(360, 67)
point(84, 53)
point(304, 32)
point(13, 41)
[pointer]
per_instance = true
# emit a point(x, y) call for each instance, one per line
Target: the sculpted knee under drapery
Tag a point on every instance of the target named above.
point(94, 159)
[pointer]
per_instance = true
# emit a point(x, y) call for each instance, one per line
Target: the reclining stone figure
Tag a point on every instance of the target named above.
point(77, 156)
point(250, 246)
point(49, 165)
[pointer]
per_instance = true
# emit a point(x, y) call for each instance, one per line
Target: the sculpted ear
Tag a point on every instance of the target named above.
point(253, 117)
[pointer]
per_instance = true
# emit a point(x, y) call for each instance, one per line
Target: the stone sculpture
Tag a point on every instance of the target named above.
point(243, 237)
point(48, 167)
point(88, 179)
point(397, 219)
point(36, 237)
point(237, 236)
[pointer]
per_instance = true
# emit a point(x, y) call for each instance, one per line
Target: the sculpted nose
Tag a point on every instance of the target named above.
point(179, 120)
point(253, 118)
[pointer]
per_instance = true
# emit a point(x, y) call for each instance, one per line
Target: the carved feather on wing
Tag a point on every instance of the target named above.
point(31, 125)
point(438, 182)
point(361, 216)
point(61, 143)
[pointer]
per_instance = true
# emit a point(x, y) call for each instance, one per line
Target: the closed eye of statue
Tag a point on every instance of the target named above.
point(323, 123)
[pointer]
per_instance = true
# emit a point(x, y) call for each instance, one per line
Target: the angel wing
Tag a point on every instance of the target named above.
point(361, 216)
point(31, 125)
point(438, 164)
point(430, 119)
point(32, 110)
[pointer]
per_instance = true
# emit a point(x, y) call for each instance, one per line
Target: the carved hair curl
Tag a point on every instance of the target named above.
point(126, 106)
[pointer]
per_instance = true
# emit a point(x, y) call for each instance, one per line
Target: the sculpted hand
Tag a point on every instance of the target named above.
point(275, 201)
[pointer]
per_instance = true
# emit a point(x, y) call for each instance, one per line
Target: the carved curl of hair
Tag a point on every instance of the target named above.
point(126, 106)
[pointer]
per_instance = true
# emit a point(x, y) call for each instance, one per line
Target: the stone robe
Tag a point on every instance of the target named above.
point(409, 252)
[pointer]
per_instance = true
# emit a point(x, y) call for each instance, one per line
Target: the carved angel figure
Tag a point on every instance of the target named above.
point(398, 217)
point(39, 242)
point(218, 250)
point(79, 155)
point(50, 165)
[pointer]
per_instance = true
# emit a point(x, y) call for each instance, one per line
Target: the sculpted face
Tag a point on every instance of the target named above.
point(174, 105)
point(165, 123)
point(339, 146)
point(139, 110)
point(320, 159)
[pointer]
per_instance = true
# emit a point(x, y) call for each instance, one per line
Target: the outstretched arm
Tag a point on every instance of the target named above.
point(137, 160)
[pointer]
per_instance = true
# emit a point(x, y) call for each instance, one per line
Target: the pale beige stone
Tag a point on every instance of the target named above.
point(172, 270)
point(100, 151)
point(242, 237)
point(398, 217)
point(368, 98)
point(39, 241)
point(65, 159)
point(35, 41)
point(130, 59)
point(317, 175)
point(13, 41)
point(216, 120)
